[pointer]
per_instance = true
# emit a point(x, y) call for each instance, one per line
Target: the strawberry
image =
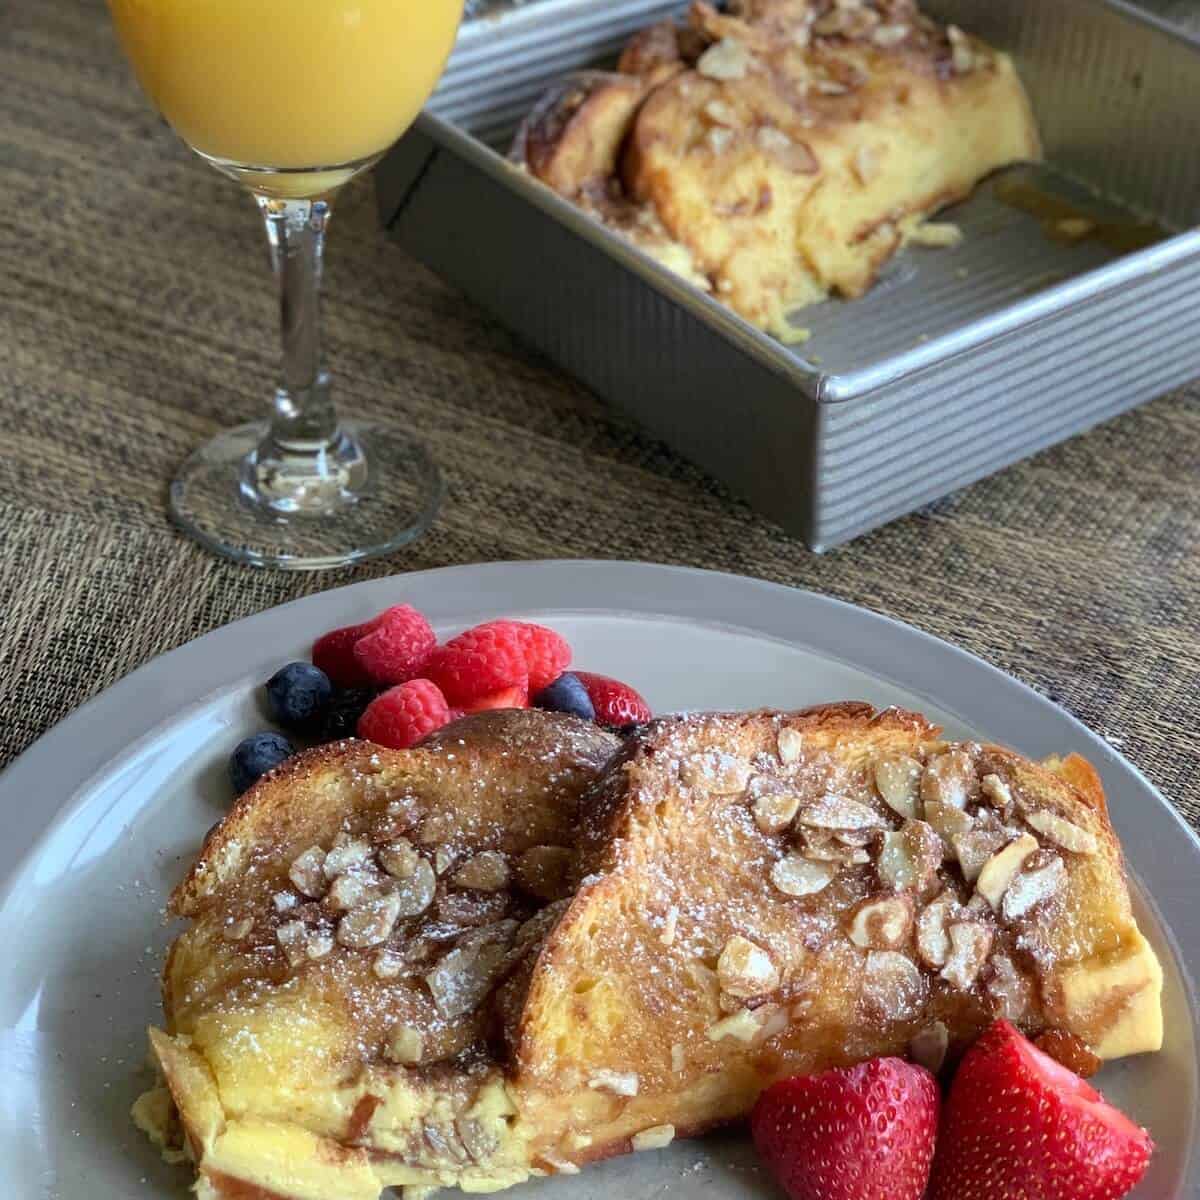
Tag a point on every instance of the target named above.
point(615, 703)
point(403, 715)
point(513, 697)
point(853, 1133)
point(396, 647)
point(479, 662)
point(1019, 1125)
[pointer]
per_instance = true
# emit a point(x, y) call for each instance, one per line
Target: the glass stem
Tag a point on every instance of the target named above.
point(303, 419)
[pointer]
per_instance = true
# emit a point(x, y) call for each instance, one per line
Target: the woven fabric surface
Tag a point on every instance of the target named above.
point(137, 317)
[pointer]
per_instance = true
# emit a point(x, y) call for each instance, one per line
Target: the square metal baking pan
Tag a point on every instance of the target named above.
point(959, 361)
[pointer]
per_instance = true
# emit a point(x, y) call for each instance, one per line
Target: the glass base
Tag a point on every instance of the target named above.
point(371, 491)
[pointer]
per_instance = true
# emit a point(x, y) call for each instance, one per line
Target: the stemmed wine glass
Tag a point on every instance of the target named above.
point(292, 101)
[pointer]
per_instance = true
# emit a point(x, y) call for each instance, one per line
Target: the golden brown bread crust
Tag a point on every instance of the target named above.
point(788, 148)
point(680, 973)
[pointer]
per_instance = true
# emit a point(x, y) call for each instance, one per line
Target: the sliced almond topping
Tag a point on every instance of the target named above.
point(743, 1026)
point(654, 1138)
point(791, 744)
point(307, 873)
point(346, 891)
point(678, 1058)
point(928, 1048)
point(619, 1083)
point(387, 965)
point(370, 923)
point(318, 944)
point(933, 942)
point(774, 813)
point(949, 779)
point(406, 1046)
point(856, 839)
point(974, 849)
point(461, 981)
point(726, 59)
point(899, 782)
point(796, 876)
point(996, 791)
point(283, 901)
point(947, 822)
point(293, 937)
point(345, 854)
point(1062, 833)
point(792, 155)
point(486, 872)
point(1001, 869)
point(234, 931)
point(866, 164)
point(882, 924)
point(889, 35)
point(910, 858)
point(840, 812)
point(399, 858)
point(962, 53)
point(745, 969)
point(543, 871)
point(970, 944)
point(670, 924)
point(892, 984)
point(1030, 888)
point(720, 113)
point(444, 857)
point(1010, 992)
point(415, 894)
point(822, 845)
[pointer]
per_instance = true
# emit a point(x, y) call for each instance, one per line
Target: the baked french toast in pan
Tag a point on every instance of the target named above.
point(525, 945)
point(783, 151)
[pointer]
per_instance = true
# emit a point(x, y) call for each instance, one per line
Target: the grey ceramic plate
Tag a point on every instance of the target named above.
point(101, 816)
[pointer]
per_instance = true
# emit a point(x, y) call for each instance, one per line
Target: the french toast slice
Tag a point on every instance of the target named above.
point(621, 945)
point(328, 1007)
point(764, 895)
point(788, 147)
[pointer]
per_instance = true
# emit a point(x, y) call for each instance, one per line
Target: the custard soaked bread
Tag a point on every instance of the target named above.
point(785, 150)
point(412, 967)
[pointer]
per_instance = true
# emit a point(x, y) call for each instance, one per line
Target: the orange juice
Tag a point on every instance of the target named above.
point(291, 84)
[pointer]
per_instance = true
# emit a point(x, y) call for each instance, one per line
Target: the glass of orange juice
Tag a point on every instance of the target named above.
point(292, 100)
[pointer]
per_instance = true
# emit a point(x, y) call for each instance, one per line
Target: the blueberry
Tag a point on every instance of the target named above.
point(339, 718)
point(297, 693)
point(255, 756)
point(566, 695)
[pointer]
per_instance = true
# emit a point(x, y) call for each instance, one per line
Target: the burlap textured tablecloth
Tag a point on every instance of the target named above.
point(137, 317)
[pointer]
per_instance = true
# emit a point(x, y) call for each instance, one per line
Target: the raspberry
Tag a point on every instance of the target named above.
point(397, 647)
point(616, 703)
point(403, 715)
point(480, 661)
point(513, 697)
point(333, 653)
point(547, 654)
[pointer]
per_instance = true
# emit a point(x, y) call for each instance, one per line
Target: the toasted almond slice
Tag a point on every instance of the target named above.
point(678, 1057)
point(949, 779)
point(399, 858)
point(726, 59)
point(544, 871)
point(840, 813)
point(406, 1046)
point(910, 858)
point(1062, 832)
point(1010, 992)
point(797, 876)
point(898, 780)
point(790, 743)
point(293, 939)
point(997, 791)
point(308, 874)
point(1030, 888)
point(415, 894)
point(743, 1026)
point(947, 822)
point(975, 848)
point(933, 941)
point(619, 1083)
point(346, 854)
point(1000, 870)
point(745, 969)
point(882, 924)
point(654, 1138)
point(774, 813)
point(371, 923)
point(487, 871)
point(970, 944)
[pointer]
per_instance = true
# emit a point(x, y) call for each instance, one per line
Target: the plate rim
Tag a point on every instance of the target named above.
point(86, 742)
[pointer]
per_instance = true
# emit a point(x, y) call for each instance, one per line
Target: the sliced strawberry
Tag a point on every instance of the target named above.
point(1018, 1124)
point(513, 697)
point(616, 703)
point(857, 1133)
